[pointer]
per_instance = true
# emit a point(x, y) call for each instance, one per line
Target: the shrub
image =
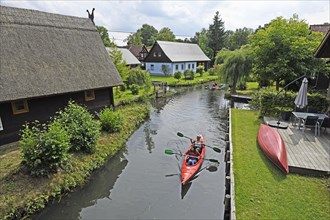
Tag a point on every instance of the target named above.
point(110, 120)
point(44, 149)
point(166, 70)
point(177, 75)
point(81, 126)
point(135, 89)
point(138, 77)
point(200, 70)
point(189, 74)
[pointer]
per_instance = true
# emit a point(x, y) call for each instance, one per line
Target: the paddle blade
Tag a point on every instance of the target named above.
point(170, 152)
point(179, 134)
point(213, 160)
point(216, 149)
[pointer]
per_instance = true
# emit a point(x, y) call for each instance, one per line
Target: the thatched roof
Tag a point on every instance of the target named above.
point(44, 54)
point(128, 57)
point(182, 52)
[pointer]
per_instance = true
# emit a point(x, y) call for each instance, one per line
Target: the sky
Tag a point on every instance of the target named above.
point(184, 18)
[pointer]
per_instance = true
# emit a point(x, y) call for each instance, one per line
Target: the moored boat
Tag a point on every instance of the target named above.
point(189, 171)
point(272, 144)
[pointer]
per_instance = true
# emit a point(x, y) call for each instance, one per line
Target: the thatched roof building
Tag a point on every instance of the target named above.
point(44, 54)
point(46, 60)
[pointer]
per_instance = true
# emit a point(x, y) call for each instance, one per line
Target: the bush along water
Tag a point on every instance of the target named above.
point(111, 121)
point(44, 147)
point(84, 130)
point(20, 202)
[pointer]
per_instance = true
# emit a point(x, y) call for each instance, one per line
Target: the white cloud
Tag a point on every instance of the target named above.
point(182, 17)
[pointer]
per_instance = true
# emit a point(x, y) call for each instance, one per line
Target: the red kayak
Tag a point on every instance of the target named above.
point(272, 144)
point(188, 171)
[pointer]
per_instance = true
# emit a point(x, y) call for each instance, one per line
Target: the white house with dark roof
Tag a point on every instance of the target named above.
point(176, 56)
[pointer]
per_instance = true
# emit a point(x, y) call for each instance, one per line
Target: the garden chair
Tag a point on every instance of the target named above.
point(325, 124)
point(311, 122)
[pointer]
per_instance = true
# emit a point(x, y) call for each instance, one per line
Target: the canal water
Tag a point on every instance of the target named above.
point(142, 182)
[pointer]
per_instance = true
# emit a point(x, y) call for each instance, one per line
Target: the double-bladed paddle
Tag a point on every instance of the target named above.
point(214, 148)
point(170, 152)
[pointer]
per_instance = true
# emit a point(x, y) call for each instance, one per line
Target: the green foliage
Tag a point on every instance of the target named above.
point(283, 50)
point(81, 126)
point(148, 34)
point(135, 89)
point(139, 77)
point(177, 75)
point(236, 66)
point(270, 103)
point(200, 70)
point(134, 39)
point(238, 38)
point(111, 121)
point(216, 34)
point(121, 65)
point(105, 36)
point(189, 74)
point(165, 34)
point(202, 39)
point(44, 148)
point(166, 70)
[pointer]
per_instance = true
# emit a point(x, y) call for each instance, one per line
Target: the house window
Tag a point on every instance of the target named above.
point(159, 54)
point(193, 66)
point(189, 66)
point(152, 67)
point(19, 107)
point(141, 54)
point(155, 54)
point(182, 66)
point(89, 95)
point(176, 67)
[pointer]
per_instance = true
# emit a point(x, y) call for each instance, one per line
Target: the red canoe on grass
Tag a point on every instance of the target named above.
point(188, 171)
point(272, 144)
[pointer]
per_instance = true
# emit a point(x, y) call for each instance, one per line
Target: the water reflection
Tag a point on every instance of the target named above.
point(88, 195)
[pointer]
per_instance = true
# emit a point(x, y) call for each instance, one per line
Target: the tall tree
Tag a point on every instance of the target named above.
point(104, 36)
point(283, 50)
point(239, 38)
point(134, 39)
point(165, 34)
point(216, 35)
point(117, 58)
point(203, 41)
point(148, 34)
point(236, 66)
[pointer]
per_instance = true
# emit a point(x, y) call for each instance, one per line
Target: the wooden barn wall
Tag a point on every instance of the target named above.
point(151, 58)
point(42, 109)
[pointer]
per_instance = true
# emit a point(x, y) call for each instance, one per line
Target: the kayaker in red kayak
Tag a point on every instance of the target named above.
point(193, 155)
point(198, 143)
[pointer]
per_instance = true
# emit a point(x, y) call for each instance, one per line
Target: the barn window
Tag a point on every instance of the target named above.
point(159, 54)
point(19, 107)
point(89, 95)
point(155, 54)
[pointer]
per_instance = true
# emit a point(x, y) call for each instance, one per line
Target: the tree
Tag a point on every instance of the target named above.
point(236, 66)
point(202, 40)
point(121, 65)
point(165, 34)
point(216, 34)
point(238, 38)
point(105, 36)
point(134, 39)
point(283, 50)
point(148, 34)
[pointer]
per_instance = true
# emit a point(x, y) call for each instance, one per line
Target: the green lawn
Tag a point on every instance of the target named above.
point(171, 81)
point(261, 190)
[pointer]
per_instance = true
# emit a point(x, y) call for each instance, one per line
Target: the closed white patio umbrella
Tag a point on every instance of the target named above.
point(301, 99)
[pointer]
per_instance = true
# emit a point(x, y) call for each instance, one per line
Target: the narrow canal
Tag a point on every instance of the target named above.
point(141, 182)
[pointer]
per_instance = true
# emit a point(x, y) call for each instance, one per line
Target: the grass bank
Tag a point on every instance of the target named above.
point(22, 195)
point(261, 190)
point(171, 81)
